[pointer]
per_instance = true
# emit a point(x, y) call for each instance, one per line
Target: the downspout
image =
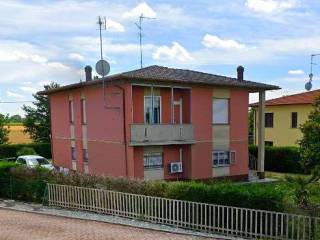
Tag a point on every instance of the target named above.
point(124, 126)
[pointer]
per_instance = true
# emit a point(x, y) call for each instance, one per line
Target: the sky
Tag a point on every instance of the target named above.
point(43, 41)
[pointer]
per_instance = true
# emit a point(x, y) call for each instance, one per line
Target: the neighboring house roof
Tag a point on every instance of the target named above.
point(295, 99)
point(165, 74)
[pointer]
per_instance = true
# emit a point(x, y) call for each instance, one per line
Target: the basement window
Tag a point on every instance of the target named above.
point(223, 158)
point(153, 160)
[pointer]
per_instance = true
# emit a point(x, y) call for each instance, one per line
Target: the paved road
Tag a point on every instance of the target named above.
point(20, 225)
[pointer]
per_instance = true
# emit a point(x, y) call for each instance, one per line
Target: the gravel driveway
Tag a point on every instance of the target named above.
point(21, 225)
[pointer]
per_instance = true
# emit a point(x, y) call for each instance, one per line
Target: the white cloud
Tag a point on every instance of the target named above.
point(14, 95)
point(113, 26)
point(42, 83)
point(296, 72)
point(28, 89)
point(76, 56)
point(175, 52)
point(58, 65)
point(270, 6)
point(143, 8)
point(211, 41)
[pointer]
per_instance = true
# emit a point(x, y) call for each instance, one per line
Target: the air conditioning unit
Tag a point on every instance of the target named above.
point(176, 167)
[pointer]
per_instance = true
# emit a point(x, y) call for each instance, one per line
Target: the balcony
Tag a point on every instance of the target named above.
point(161, 134)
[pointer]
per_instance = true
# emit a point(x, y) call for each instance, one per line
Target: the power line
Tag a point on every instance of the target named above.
point(16, 101)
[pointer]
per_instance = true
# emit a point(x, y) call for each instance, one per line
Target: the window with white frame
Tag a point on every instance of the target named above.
point(152, 109)
point(73, 154)
point(71, 111)
point(153, 160)
point(220, 111)
point(83, 111)
point(223, 158)
point(85, 155)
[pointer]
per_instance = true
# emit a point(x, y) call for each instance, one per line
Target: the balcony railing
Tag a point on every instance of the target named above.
point(161, 134)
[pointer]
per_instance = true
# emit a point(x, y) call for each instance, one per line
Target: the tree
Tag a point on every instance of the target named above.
point(15, 119)
point(310, 142)
point(37, 118)
point(251, 125)
point(4, 130)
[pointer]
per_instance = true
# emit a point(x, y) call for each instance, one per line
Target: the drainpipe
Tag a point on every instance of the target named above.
point(124, 126)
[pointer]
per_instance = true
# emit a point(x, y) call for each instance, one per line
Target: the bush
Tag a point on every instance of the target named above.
point(265, 197)
point(26, 151)
point(280, 159)
point(29, 185)
point(11, 150)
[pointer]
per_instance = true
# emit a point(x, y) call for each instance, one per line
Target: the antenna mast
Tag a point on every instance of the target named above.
point(139, 26)
point(102, 26)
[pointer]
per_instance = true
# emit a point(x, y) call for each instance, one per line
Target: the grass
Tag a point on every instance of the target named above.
point(281, 176)
point(17, 134)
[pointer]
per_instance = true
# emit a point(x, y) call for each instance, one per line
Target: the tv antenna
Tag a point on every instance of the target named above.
point(308, 85)
point(139, 26)
point(102, 66)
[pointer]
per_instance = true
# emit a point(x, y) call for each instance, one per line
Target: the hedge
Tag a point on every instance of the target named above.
point(280, 159)
point(10, 150)
point(19, 183)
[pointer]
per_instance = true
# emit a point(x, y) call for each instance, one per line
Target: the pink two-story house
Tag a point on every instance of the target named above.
point(155, 123)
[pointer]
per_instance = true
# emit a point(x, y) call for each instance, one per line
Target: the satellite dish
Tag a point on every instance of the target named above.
point(102, 67)
point(308, 86)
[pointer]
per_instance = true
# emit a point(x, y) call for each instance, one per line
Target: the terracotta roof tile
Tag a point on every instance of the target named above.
point(300, 98)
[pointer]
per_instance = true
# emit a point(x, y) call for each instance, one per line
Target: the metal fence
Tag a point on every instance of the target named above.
point(226, 220)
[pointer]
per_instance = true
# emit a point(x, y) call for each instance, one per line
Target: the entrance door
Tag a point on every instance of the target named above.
point(177, 112)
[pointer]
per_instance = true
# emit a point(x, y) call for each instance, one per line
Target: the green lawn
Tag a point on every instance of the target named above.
point(281, 176)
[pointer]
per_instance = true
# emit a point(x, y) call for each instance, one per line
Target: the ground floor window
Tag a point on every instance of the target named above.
point(153, 160)
point(223, 158)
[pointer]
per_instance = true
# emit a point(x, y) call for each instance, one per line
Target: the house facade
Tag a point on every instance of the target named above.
point(283, 116)
point(154, 123)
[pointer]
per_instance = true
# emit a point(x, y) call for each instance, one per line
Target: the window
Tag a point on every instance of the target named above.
point(220, 111)
point(152, 117)
point(268, 120)
point(223, 158)
point(85, 155)
point(73, 153)
point(153, 160)
point(21, 161)
point(294, 119)
point(71, 111)
point(83, 111)
point(268, 143)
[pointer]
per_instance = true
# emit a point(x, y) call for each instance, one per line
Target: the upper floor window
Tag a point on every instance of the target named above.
point(222, 158)
point(73, 153)
point(83, 111)
point(153, 160)
point(85, 155)
point(71, 111)
point(220, 111)
point(152, 109)
point(268, 120)
point(294, 119)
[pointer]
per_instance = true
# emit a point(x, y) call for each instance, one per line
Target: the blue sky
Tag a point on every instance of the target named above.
point(43, 41)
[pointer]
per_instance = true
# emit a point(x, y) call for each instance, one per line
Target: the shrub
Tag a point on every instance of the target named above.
point(280, 159)
point(11, 150)
point(265, 197)
point(29, 185)
point(26, 151)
